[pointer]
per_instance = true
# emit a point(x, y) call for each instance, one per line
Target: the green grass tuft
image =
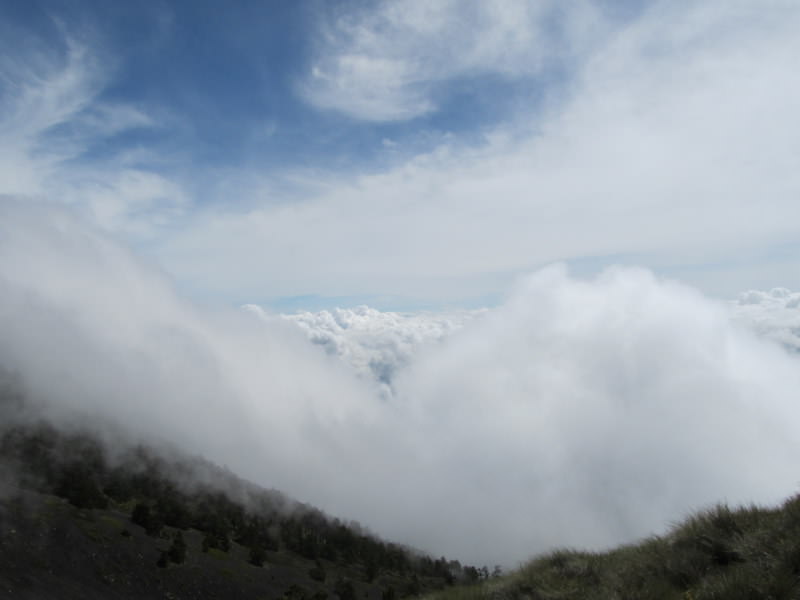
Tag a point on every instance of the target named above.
point(718, 553)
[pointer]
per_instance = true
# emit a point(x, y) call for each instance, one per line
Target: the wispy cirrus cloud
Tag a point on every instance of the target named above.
point(40, 94)
point(392, 61)
point(54, 118)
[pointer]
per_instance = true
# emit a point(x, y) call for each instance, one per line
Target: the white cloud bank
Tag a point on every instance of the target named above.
point(379, 345)
point(579, 413)
point(672, 142)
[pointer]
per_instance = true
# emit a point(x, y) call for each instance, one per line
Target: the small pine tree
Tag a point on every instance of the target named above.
point(345, 589)
point(78, 486)
point(177, 551)
point(388, 593)
point(317, 572)
point(142, 515)
point(295, 592)
point(215, 540)
point(370, 571)
point(257, 555)
point(413, 587)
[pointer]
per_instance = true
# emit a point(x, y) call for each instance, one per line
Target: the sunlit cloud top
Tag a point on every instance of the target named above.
point(413, 154)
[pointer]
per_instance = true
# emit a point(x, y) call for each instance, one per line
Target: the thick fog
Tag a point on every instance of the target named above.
point(580, 412)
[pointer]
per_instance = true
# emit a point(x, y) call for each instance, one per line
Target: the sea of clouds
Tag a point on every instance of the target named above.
point(375, 344)
point(578, 413)
point(773, 315)
point(378, 345)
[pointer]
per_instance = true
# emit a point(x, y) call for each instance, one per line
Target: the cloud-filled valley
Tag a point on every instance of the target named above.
point(580, 412)
point(378, 344)
point(217, 228)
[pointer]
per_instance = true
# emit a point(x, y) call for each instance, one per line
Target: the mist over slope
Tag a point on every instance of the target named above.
point(578, 413)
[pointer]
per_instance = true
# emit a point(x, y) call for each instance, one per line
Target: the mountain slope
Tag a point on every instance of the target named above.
point(78, 519)
point(720, 553)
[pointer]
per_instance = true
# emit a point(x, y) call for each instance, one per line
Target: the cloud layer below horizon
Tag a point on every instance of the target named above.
point(580, 412)
point(379, 344)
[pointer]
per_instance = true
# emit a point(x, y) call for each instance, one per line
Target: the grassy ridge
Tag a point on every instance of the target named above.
point(745, 553)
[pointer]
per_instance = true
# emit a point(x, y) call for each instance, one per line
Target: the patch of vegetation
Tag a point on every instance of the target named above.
point(246, 524)
point(217, 553)
point(113, 522)
point(746, 553)
point(93, 533)
point(317, 572)
point(177, 551)
point(257, 556)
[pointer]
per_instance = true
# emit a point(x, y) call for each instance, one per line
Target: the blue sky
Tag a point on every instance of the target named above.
point(223, 85)
point(411, 154)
